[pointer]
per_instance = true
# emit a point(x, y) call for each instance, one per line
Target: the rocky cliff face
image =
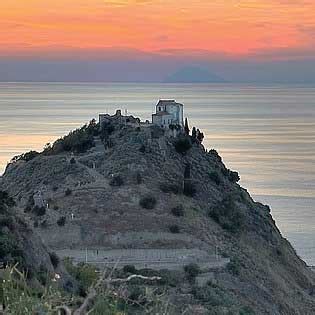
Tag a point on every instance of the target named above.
point(132, 186)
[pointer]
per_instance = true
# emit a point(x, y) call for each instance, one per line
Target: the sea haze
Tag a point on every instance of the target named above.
point(266, 133)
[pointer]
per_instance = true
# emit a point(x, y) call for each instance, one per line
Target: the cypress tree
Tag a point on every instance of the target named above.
point(186, 127)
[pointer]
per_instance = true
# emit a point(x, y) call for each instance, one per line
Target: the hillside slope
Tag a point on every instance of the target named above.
point(135, 187)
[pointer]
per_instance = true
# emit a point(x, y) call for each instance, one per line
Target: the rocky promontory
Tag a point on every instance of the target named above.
point(132, 193)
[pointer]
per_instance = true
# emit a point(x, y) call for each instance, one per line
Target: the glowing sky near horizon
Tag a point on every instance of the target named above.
point(232, 27)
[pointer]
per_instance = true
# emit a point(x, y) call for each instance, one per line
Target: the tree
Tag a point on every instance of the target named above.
point(187, 171)
point(182, 145)
point(194, 134)
point(200, 136)
point(186, 128)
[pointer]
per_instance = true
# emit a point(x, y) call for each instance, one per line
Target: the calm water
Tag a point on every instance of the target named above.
point(267, 133)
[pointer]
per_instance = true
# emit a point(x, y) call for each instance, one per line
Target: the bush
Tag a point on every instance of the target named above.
point(234, 267)
point(148, 202)
point(246, 310)
point(7, 245)
point(142, 149)
point(62, 221)
point(55, 188)
point(85, 274)
point(178, 211)
point(25, 156)
point(192, 271)
point(79, 140)
point(228, 215)
point(68, 192)
point(214, 176)
point(174, 229)
point(182, 145)
point(231, 175)
point(170, 188)
point(7, 222)
point(189, 188)
point(39, 211)
point(54, 259)
point(130, 269)
point(116, 181)
point(137, 295)
point(234, 177)
point(212, 296)
point(72, 161)
point(6, 200)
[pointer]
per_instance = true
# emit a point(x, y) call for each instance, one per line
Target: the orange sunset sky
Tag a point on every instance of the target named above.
point(231, 27)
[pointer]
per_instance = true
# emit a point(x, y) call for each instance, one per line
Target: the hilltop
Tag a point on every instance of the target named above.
point(133, 193)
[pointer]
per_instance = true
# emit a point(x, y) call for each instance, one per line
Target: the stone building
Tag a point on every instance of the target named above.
point(168, 112)
point(118, 118)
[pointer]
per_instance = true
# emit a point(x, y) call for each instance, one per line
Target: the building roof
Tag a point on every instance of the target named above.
point(168, 102)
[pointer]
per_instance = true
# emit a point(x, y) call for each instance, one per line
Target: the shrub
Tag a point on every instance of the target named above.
point(25, 156)
point(7, 222)
point(62, 221)
point(5, 199)
point(55, 188)
point(148, 202)
point(42, 275)
point(116, 181)
point(174, 229)
point(231, 175)
point(234, 177)
point(142, 149)
point(182, 145)
point(72, 161)
point(234, 267)
point(79, 140)
point(214, 176)
point(187, 171)
point(137, 295)
point(228, 214)
point(7, 245)
point(39, 211)
point(130, 269)
point(192, 271)
point(56, 207)
point(170, 188)
point(54, 259)
point(68, 192)
point(246, 310)
point(189, 188)
point(178, 211)
point(27, 209)
point(212, 296)
point(85, 274)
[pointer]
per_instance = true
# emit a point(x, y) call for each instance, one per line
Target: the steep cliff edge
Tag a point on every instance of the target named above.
point(135, 187)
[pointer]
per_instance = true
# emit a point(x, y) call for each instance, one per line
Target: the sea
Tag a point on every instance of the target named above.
point(265, 132)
